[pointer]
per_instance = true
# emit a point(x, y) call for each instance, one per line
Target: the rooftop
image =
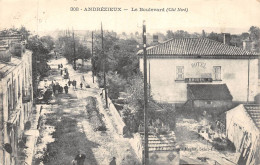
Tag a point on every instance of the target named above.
point(5, 67)
point(209, 92)
point(254, 112)
point(195, 46)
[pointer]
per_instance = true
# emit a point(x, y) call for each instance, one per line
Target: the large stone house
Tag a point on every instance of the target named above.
point(16, 100)
point(177, 66)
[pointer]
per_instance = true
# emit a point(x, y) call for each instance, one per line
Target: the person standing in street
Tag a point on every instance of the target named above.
point(53, 88)
point(61, 71)
point(81, 85)
point(74, 83)
point(79, 159)
point(113, 161)
point(69, 82)
point(66, 88)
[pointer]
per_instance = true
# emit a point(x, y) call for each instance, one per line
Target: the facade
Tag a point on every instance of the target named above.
point(243, 129)
point(15, 101)
point(177, 63)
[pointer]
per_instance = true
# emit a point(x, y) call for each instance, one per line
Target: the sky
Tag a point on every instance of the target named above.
point(232, 16)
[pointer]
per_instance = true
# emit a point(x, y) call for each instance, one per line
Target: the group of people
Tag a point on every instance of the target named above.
point(60, 66)
point(73, 83)
point(57, 88)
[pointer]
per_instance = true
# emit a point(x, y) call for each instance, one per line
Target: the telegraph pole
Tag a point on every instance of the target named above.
point(146, 149)
point(149, 79)
point(74, 51)
point(104, 66)
point(92, 58)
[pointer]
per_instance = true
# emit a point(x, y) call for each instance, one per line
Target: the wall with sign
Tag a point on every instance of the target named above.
point(169, 77)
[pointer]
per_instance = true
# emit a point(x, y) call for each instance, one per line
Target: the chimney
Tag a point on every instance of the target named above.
point(226, 38)
point(247, 44)
point(155, 39)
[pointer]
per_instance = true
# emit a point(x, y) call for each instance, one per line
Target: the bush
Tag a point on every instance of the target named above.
point(95, 117)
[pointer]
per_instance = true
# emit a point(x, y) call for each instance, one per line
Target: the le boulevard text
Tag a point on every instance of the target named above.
point(132, 9)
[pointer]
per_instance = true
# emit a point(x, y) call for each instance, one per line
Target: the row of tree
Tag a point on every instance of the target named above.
point(67, 43)
point(252, 34)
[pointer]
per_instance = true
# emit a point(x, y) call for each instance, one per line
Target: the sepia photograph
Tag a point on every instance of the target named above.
point(141, 82)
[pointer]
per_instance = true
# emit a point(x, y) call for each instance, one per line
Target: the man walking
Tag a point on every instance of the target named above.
point(74, 83)
point(113, 162)
point(66, 89)
point(81, 85)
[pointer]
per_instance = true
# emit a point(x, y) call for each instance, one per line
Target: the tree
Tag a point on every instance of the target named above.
point(254, 33)
point(49, 42)
point(66, 43)
point(216, 37)
point(169, 34)
point(178, 34)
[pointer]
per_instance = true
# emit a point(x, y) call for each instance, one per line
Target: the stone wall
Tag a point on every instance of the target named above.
point(117, 118)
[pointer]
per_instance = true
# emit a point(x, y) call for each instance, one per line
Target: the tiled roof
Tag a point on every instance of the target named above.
point(194, 46)
point(254, 112)
point(209, 92)
point(161, 142)
point(5, 67)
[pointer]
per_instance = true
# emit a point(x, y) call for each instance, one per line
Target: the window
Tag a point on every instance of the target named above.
point(180, 72)
point(217, 72)
point(14, 93)
point(9, 96)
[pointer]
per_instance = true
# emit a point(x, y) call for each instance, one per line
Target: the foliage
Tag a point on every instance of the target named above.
point(115, 84)
point(216, 37)
point(178, 34)
point(136, 92)
point(49, 42)
point(95, 117)
point(254, 33)
point(119, 55)
point(67, 43)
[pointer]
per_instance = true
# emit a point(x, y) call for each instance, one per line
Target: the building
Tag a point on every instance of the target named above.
point(243, 129)
point(177, 65)
point(15, 99)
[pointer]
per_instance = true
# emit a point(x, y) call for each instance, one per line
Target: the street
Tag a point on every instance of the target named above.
point(65, 127)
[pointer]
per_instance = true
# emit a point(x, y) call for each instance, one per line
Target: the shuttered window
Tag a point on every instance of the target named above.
point(217, 72)
point(180, 72)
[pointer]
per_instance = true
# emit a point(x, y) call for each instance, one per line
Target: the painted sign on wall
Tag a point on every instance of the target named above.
point(198, 65)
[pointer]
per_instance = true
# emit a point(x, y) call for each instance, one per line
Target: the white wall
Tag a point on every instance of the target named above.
point(241, 118)
point(234, 73)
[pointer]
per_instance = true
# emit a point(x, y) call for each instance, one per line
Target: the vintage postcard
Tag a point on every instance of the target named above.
point(107, 82)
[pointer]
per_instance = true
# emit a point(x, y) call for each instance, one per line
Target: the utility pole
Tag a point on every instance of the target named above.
point(149, 80)
point(74, 51)
point(146, 149)
point(104, 66)
point(37, 16)
point(92, 58)
point(248, 80)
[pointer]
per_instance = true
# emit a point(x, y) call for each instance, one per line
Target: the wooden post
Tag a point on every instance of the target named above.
point(146, 149)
